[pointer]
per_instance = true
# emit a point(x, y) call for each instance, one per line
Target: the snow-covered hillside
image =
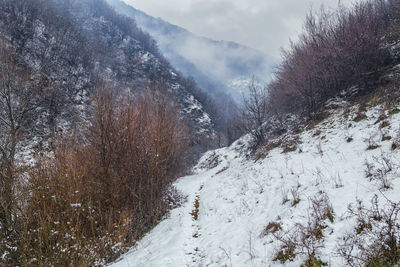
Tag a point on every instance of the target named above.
point(231, 199)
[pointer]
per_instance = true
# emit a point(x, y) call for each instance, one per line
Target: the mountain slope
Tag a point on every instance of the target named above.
point(193, 55)
point(239, 212)
point(71, 48)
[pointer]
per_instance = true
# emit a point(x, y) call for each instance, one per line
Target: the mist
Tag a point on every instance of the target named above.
point(218, 67)
point(263, 25)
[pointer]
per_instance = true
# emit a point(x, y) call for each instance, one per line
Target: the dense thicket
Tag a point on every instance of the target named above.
point(346, 48)
point(89, 197)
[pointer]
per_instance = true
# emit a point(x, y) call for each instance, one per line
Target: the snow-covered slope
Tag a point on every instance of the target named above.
point(231, 198)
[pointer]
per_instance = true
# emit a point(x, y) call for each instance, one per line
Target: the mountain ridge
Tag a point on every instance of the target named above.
point(192, 54)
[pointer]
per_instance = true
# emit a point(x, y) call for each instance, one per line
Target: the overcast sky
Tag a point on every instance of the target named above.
point(266, 25)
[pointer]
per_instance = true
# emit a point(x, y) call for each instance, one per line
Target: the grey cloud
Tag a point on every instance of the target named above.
point(266, 25)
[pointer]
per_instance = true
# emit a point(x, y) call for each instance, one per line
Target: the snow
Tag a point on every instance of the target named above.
point(238, 196)
point(145, 58)
point(241, 84)
point(239, 87)
point(194, 106)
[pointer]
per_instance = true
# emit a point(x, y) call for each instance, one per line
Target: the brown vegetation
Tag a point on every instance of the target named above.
point(92, 195)
point(305, 239)
point(338, 50)
point(349, 53)
point(376, 240)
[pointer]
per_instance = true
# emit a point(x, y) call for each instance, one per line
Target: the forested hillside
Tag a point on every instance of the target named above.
point(95, 125)
point(70, 47)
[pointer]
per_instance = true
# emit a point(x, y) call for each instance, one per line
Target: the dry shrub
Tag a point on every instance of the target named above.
point(141, 145)
point(376, 238)
point(371, 142)
point(382, 117)
point(288, 247)
point(322, 209)
point(294, 191)
point(255, 112)
point(360, 116)
point(337, 50)
point(396, 141)
point(271, 228)
point(64, 223)
point(211, 162)
point(384, 124)
point(306, 239)
point(380, 169)
point(91, 197)
point(290, 143)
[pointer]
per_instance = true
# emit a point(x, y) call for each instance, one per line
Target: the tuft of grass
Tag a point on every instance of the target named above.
point(362, 226)
point(313, 261)
point(290, 144)
point(360, 116)
point(264, 151)
point(286, 253)
point(317, 231)
point(317, 132)
point(384, 124)
point(272, 228)
point(394, 111)
point(330, 215)
point(381, 117)
point(373, 147)
point(289, 148)
point(195, 211)
point(295, 202)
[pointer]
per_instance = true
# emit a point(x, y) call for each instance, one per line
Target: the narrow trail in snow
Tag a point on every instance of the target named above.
point(195, 252)
point(231, 199)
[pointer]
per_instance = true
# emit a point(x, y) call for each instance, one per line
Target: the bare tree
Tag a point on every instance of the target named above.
point(19, 99)
point(255, 112)
point(337, 50)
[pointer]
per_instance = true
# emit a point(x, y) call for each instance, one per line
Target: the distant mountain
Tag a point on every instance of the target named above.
point(215, 65)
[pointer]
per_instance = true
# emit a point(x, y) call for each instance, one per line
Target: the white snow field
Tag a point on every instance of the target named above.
point(238, 197)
